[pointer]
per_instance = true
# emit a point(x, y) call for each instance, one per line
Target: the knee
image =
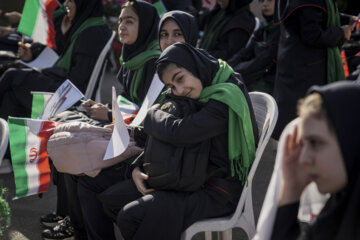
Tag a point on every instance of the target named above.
point(124, 222)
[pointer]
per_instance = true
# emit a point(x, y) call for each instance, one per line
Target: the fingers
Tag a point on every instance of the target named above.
point(139, 178)
point(88, 103)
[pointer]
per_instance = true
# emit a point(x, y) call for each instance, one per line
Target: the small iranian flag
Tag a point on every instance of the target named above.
point(28, 139)
point(36, 21)
point(38, 103)
point(128, 109)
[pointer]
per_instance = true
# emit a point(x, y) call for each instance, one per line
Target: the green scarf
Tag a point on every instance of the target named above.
point(267, 27)
point(335, 70)
point(136, 64)
point(64, 60)
point(241, 140)
point(213, 29)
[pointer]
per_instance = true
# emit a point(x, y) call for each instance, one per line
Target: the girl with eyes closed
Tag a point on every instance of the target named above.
point(225, 119)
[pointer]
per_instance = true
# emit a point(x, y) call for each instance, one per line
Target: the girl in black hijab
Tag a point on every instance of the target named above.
point(323, 149)
point(183, 29)
point(227, 28)
point(139, 53)
point(214, 84)
point(138, 23)
point(84, 36)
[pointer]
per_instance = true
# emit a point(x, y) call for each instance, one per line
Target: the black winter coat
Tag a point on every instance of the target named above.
point(302, 55)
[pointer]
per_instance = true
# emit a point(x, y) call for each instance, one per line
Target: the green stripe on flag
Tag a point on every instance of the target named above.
point(29, 16)
point(38, 105)
point(17, 139)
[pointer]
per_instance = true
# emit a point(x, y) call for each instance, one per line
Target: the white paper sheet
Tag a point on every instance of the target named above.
point(120, 137)
point(46, 59)
point(153, 92)
point(64, 97)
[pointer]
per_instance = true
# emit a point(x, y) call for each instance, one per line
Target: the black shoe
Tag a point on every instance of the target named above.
point(50, 220)
point(63, 231)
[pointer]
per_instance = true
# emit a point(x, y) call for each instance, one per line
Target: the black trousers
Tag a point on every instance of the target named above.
point(161, 214)
point(86, 211)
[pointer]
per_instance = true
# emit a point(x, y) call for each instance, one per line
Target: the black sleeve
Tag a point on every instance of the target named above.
point(85, 53)
point(36, 48)
point(230, 43)
point(313, 33)
point(243, 55)
point(263, 59)
point(286, 226)
point(210, 121)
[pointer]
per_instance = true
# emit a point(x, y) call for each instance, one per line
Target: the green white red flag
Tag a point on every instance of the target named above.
point(38, 103)
point(36, 21)
point(28, 139)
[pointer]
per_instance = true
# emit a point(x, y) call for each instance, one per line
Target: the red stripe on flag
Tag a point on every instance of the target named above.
point(50, 6)
point(46, 131)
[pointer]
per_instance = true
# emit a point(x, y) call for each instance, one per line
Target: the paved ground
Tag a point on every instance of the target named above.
point(25, 212)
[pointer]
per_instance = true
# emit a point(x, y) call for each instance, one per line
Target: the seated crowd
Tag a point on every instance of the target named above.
point(203, 119)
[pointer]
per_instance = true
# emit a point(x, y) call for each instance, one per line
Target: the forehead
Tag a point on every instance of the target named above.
point(311, 126)
point(170, 24)
point(128, 12)
point(171, 72)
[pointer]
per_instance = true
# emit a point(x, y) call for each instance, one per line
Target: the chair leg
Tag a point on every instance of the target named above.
point(208, 236)
point(225, 235)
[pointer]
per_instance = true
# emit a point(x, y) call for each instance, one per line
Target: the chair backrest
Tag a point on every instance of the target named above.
point(4, 138)
point(266, 114)
point(95, 75)
point(257, 26)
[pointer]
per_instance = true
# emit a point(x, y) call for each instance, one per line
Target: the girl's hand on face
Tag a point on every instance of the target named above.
point(139, 178)
point(24, 52)
point(295, 176)
point(65, 24)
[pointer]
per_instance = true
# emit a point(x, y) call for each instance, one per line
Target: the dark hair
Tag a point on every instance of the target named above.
point(312, 106)
point(132, 4)
point(160, 68)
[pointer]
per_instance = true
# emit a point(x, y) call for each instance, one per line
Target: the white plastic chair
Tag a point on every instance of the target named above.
point(257, 26)
point(98, 71)
point(4, 138)
point(266, 114)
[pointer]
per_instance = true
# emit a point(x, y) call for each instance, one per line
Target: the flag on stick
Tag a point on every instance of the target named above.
point(36, 21)
point(28, 139)
point(38, 103)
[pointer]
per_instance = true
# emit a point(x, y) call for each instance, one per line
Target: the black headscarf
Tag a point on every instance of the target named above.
point(340, 218)
point(199, 62)
point(85, 9)
point(148, 23)
point(186, 22)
